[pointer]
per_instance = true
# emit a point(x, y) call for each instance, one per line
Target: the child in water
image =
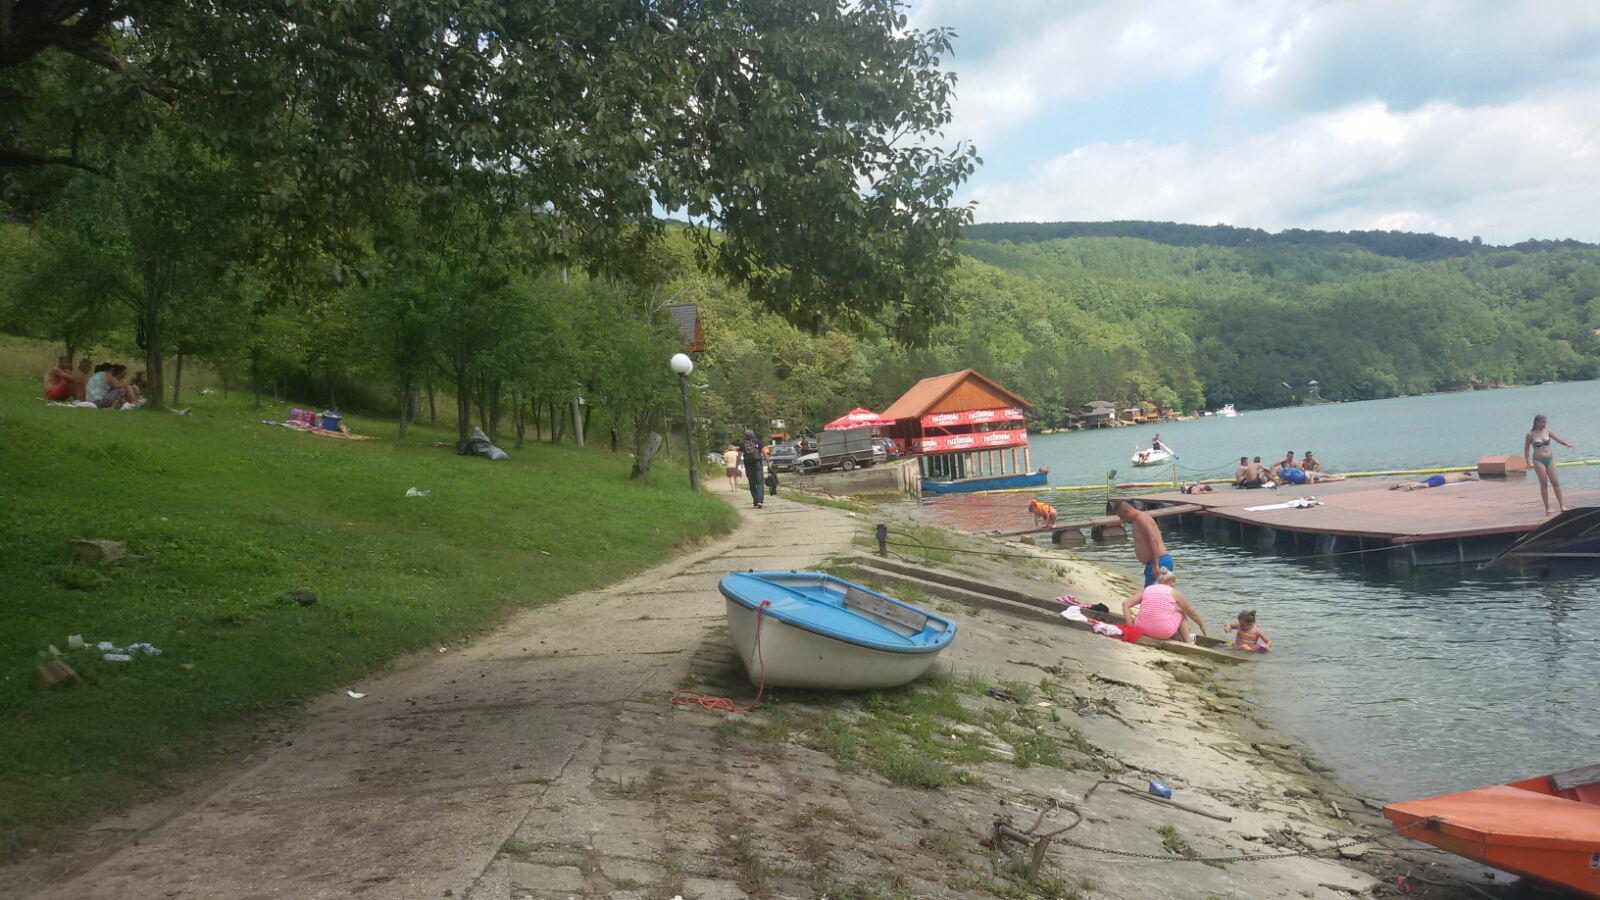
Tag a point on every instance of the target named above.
point(1249, 637)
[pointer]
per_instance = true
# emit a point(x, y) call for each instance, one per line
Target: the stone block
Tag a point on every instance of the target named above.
point(96, 551)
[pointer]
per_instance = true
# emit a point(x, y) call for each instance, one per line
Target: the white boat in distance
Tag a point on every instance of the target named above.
point(1149, 456)
point(1228, 412)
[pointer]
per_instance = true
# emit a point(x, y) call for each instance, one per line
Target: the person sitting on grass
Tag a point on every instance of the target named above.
point(1249, 637)
point(1433, 481)
point(60, 382)
point(1161, 612)
point(119, 380)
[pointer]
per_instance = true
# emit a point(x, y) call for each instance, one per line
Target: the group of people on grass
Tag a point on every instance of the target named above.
point(1251, 473)
point(1160, 610)
point(106, 385)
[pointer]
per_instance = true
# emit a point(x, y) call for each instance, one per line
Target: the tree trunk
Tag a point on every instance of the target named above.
point(152, 351)
point(646, 444)
point(538, 422)
point(613, 434)
point(72, 356)
point(255, 374)
point(518, 421)
point(557, 423)
point(405, 401)
point(433, 414)
point(177, 378)
point(494, 410)
point(587, 411)
point(333, 400)
point(463, 404)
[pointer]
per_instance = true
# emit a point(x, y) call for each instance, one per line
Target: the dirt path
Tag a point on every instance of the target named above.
point(413, 790)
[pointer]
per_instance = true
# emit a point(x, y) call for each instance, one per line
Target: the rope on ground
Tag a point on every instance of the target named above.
point(709, 703)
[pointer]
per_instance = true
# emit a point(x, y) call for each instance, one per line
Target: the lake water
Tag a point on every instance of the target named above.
point(1408, 682)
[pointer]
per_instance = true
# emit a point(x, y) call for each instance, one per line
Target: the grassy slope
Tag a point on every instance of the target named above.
point(221, 516)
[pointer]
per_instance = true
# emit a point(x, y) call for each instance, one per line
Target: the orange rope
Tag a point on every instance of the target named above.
point(686, 697)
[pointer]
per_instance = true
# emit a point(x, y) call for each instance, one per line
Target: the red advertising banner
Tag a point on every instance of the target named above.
point(978, 440)
point(972, 417)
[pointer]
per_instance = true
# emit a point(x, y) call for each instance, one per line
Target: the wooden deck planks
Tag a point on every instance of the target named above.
point(1370, 509)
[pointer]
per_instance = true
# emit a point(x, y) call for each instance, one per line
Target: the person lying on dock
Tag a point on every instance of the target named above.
point(1161, 612)
point(1433, 481)
point(1249, 637)
point(1197, 488)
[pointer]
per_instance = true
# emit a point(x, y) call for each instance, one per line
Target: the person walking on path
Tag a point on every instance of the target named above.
point(753, 460)
point(730, 465)
point(1538, 454)
point(1148, 545)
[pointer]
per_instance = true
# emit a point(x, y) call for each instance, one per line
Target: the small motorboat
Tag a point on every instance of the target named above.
point(1228, 412)
point(819, 631)
point(1545, 828)
point(1151, 456)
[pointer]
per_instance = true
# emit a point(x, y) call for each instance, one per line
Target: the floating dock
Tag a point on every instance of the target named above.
point(1451, 524)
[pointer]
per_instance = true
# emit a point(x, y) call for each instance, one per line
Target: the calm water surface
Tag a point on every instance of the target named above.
point(1409, 682)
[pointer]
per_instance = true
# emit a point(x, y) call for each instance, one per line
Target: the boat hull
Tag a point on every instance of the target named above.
point(989, 483)
point(1538, 828)
point(797, 658)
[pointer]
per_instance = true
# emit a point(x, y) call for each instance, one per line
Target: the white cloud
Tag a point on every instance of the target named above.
point(1527, 168)
point(1029, 63)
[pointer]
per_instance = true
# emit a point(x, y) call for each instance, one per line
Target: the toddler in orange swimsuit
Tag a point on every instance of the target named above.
point(1249, 637)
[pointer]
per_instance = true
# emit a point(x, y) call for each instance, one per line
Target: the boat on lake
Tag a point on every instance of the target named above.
point(985, 483)
point(820, 631)
point(1228, 412)
point(1545, 828)
point(1152, 456)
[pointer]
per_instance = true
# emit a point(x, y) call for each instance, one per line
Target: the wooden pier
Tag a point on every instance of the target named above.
point(1454, 523)
point(1100, 525)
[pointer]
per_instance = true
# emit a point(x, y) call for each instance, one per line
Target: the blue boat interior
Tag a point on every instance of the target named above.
point(832, 607)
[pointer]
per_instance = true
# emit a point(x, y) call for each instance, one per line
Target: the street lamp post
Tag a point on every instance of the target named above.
point(683, 365)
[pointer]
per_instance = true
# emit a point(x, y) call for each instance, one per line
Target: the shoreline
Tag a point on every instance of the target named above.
point(1312, 795)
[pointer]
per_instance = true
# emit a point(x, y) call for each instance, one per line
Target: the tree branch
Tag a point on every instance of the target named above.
point(11, 158)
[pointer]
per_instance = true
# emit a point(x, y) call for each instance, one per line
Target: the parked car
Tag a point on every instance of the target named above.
point(784, 454)
point(885, 449)
point(844, 449)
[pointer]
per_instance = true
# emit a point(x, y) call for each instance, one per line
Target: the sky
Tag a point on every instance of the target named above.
point(1459, 117)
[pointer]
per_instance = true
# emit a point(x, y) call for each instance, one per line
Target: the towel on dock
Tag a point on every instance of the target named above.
point(1296, 503)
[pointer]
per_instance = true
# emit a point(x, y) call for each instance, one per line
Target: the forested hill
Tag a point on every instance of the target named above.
point(1156, 318)
point(1401, 244)
point(1063, 321)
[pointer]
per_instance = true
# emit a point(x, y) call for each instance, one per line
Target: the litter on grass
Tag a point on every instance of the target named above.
point(414, 492)
point(143, 647)
point(354, 695)
point(75, 642)
point(118, 657)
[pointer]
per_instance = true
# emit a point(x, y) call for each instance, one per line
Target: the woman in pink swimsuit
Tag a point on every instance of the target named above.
point(1159, 610)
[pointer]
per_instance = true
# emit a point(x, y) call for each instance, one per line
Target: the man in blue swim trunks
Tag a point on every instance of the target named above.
point(1148, 545)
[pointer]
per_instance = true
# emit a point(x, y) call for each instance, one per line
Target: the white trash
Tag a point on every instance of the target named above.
point(75, 642)
point(142, 647)
point(118, 657)
point(353, 694)
point(414, 492)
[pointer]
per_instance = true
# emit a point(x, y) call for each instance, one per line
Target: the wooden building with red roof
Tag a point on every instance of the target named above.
point(962, 425)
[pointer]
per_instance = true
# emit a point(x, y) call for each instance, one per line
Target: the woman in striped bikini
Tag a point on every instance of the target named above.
point(1537, 453)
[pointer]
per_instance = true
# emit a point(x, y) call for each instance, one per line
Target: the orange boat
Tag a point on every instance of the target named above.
point(1545, 828)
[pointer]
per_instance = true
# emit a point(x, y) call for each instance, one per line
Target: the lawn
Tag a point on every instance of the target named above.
point(223, 516)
